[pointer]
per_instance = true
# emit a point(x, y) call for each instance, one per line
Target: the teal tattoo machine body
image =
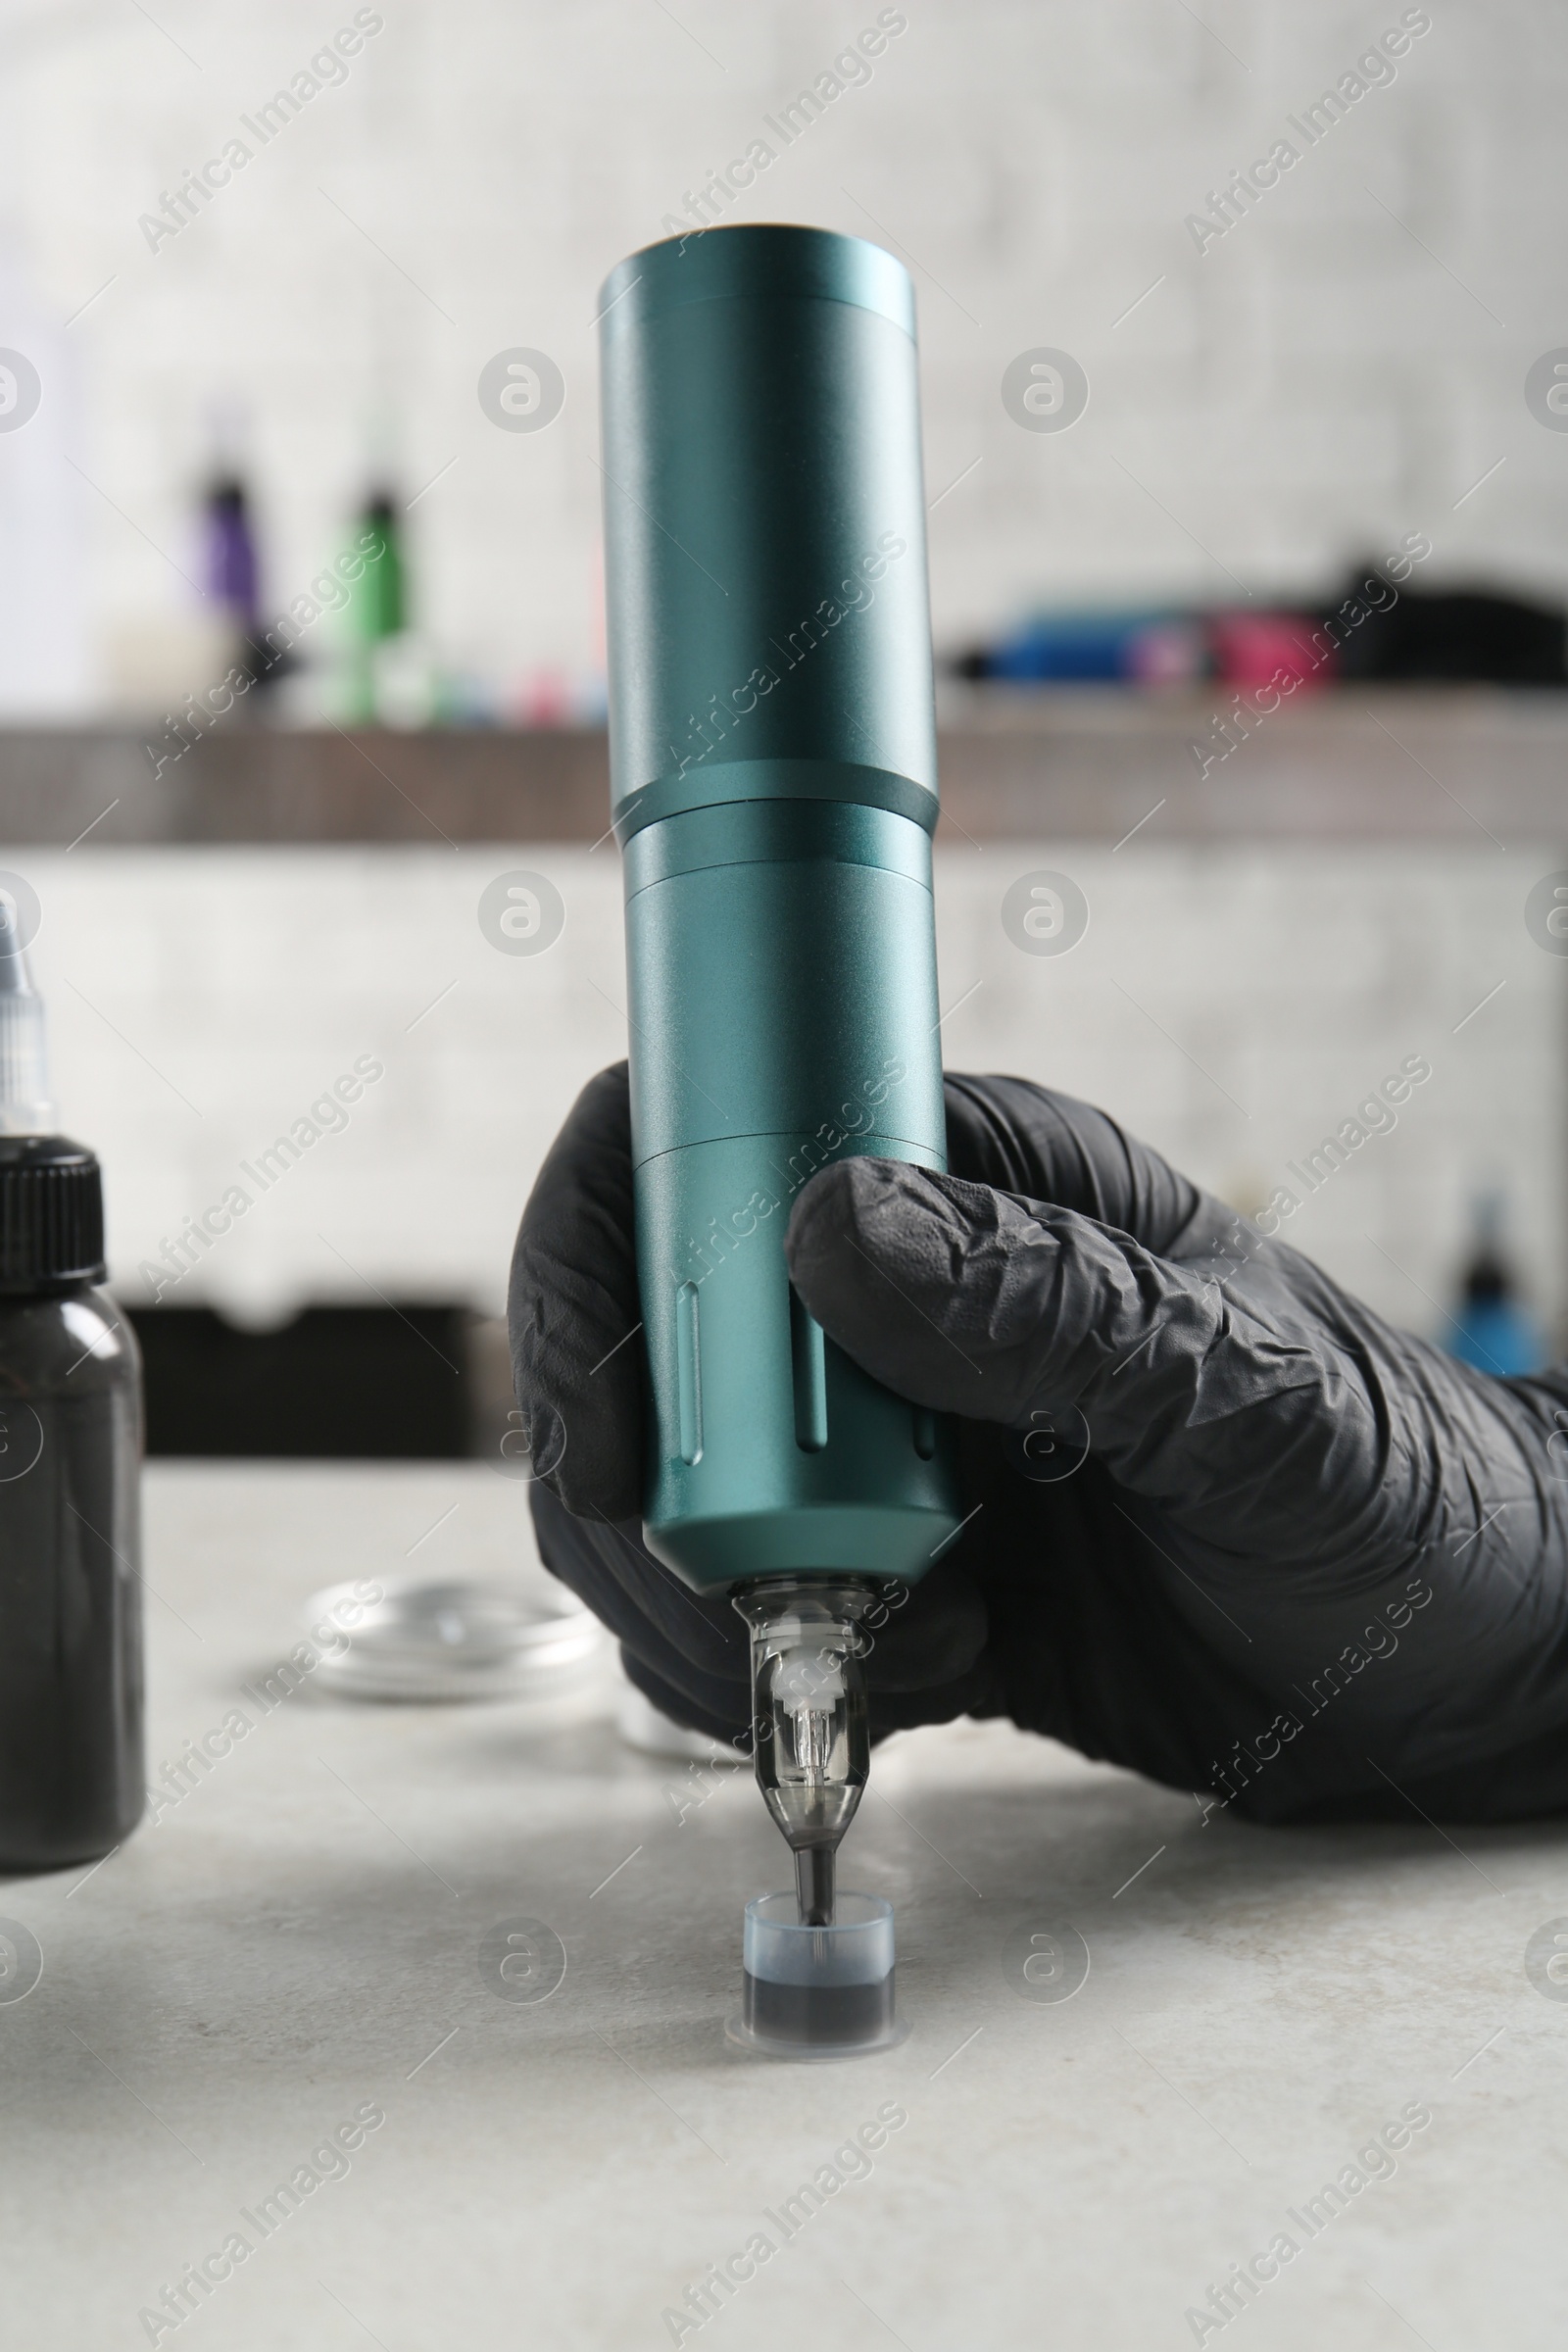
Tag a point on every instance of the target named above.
point(773, 762)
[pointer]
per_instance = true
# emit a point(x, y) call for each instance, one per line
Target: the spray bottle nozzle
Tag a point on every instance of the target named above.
point(25, 1104)
point(811, 1737)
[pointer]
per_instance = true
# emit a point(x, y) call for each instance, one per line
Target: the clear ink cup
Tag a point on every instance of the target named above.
point(817, 1993)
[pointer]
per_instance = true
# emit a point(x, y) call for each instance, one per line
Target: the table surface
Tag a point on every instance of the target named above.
point(299, 1940)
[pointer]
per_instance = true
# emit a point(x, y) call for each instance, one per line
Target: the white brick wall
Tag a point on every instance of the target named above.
point(241, 983)
point(1297, 981)
point(1310, 385)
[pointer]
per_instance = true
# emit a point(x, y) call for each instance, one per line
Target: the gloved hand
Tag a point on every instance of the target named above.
point(1226, 1527)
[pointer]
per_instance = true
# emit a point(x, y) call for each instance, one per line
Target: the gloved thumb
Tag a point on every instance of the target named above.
point(974, 1302)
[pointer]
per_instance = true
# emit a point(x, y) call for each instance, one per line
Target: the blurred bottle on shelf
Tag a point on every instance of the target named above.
point(1155, 648)
point(390, 678)
point(376, 609)
point(380, 603)
point(232, 570)
point(545, 700)
point(1458, 636)
point(1092, 647)
point(551, 695)
point(1492, 1329)
point(231, 565)
point(1271, 650)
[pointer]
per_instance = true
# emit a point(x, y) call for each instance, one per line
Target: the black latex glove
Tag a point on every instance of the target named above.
point(1307, 1565)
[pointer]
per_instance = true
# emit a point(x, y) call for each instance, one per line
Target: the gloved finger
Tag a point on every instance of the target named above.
point(572, 1310)
point(696, 1642)
point(1024, 1138)
point(926, 1635)
point(713, 1712)
point(1256, 1432)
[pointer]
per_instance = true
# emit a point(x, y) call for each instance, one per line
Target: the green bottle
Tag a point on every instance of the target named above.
point(377, 609)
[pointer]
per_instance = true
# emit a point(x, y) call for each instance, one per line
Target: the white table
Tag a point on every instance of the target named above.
point(296, 1942)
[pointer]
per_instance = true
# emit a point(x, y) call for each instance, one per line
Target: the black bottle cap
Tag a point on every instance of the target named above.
point(51, 1213)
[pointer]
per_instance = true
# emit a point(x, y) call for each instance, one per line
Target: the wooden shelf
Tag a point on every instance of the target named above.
point(1467, 765)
